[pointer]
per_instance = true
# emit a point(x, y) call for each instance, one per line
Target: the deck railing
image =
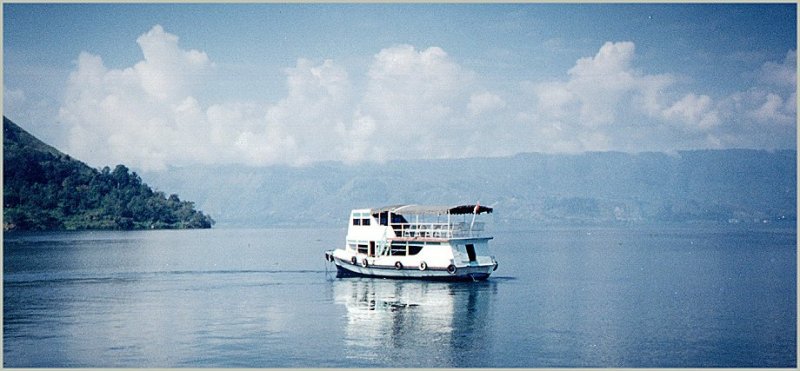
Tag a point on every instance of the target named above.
point(438, 230)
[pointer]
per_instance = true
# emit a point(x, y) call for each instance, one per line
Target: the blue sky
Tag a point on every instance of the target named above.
point(157, 85)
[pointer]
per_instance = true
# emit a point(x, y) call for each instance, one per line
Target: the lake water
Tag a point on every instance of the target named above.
point(643, 296)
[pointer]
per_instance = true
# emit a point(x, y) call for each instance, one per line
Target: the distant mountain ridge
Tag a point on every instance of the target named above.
point(45, 189)
point(730, 186)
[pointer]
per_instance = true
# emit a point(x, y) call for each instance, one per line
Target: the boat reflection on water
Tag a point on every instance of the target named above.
point(416, 324)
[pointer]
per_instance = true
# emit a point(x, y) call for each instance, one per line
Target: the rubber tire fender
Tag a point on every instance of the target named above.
point(398, 265)
point(423, 266)
point(451, 269)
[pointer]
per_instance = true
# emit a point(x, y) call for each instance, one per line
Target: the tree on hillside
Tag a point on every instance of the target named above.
point(44, 189)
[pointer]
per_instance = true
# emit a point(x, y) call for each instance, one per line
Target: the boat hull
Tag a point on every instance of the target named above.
point(468, 273)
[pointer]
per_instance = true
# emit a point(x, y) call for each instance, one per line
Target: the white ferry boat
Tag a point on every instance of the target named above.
point(416, 241)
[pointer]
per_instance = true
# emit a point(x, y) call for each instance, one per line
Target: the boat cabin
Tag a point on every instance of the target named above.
point(415, 241)
point(404, 230)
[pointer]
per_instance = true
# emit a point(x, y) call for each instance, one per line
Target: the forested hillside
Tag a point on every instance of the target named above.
point(44, 189)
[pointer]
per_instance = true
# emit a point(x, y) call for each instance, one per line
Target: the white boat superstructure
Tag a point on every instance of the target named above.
point(416, 241)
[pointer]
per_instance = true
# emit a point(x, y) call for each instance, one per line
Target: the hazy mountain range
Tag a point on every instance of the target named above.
point(733, 186)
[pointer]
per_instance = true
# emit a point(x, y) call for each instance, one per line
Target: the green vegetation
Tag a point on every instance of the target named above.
point(44, 189)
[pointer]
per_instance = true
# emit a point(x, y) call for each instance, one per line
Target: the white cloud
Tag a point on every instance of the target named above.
point(554, 99)
point(589, 108)
point(356, 140)
point(303, 124)
point(411, 88)
point(413, 104)
point(696, 112)
point(782, 74)
point(484, 102)
point(607, 103)
point(167, 72)
point(147, 115)
point(140, 115)
point(599, 88)
point(764, 116)
point(777, 100)
point(771, 110)
point(601, 81)
point(111, 117)
point(414, 100)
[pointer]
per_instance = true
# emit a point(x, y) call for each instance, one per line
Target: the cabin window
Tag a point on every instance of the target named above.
point(414, 249)
point(362, 249)
point(364, 221)
point(398, 249)
point(383, 218)
point(356, 221)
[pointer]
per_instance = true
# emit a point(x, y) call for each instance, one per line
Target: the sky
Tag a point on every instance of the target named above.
point(155, 86)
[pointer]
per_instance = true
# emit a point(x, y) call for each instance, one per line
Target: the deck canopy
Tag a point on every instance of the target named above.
point(431, 210)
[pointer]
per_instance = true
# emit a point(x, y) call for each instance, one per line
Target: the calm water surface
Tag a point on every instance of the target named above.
point(720, 296)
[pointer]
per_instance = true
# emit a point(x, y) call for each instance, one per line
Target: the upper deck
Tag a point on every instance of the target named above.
point(418, 222)
point(439, 230)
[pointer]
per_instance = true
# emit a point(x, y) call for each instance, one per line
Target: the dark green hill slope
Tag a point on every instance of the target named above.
point(44, 189)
